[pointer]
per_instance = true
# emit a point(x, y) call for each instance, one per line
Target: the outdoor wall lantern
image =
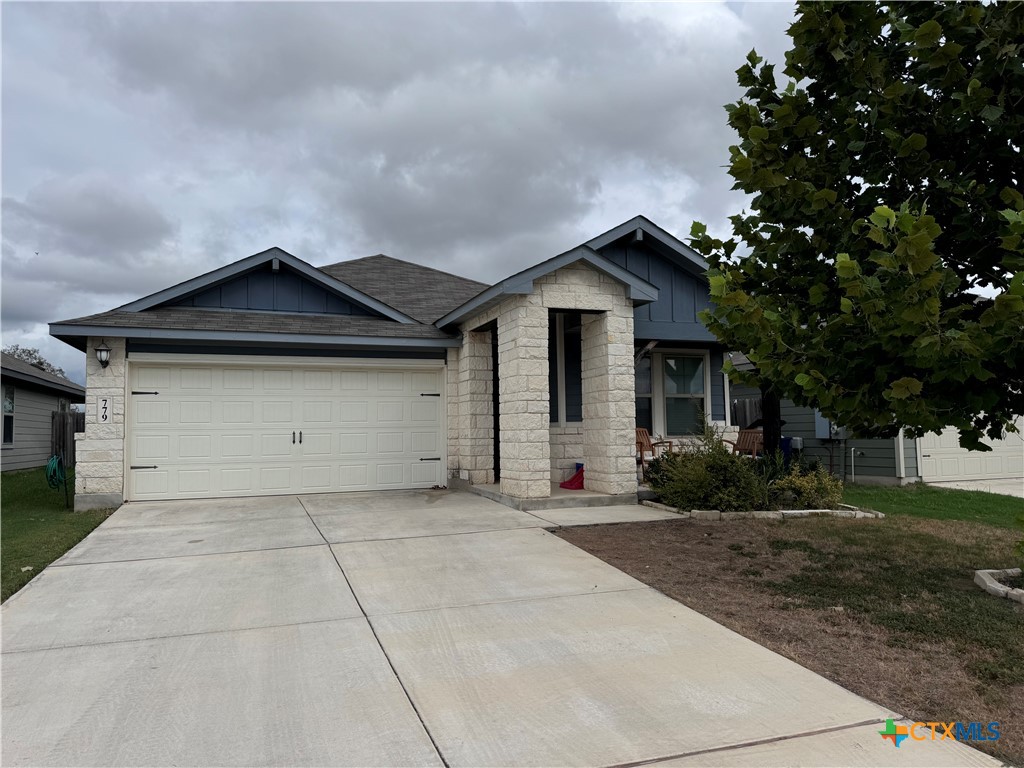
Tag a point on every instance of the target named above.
point(103, 354)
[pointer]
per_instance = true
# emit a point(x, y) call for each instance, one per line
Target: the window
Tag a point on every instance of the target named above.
point(8, 415)
point(672, 391)
point(684, 394)
point(565, 367)
point(644, 394)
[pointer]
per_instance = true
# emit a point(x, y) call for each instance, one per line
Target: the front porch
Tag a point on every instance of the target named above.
point(559, 498)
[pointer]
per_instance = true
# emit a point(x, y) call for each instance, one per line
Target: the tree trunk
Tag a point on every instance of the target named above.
point(771, 419)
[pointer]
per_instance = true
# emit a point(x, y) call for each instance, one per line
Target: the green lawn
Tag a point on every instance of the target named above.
point(926, 501)
point(35, 528)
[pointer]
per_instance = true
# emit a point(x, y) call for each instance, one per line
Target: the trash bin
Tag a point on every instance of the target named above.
point(786, 444)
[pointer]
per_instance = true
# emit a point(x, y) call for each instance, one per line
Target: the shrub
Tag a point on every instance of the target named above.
point(807, 489)
point(706, 475)
point(708, 480)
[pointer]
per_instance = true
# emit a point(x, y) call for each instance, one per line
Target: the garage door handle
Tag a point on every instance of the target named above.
point(137, 392)
point(293, 437)
point(432, 458)
point(300, 437)
point(143, 466)
point(430, 394)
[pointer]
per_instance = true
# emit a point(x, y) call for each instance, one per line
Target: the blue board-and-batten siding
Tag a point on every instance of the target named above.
point(281, 291)
point(682, 295)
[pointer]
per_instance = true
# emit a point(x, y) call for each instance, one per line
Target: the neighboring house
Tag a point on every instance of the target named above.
point(886, 461)
point(30, 395)
point(271, 376)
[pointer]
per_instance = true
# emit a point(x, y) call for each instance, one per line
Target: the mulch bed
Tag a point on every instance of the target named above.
point(886, 608)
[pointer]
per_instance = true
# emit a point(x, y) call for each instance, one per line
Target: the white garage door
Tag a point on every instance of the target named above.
point(942, 458)
point(199, 430)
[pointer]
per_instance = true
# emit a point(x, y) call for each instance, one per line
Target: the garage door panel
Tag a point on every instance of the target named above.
point(354, 443)
point(426, 411)
point(424, 442)
point(317, 444)
point(276, 479)
point(315, 381)
point(195, 412)
point(195, 447)
point(277, 380)
point(354, 413)
point(191, 481)
point(317, 411)
point(228, 430)
point(390, 381)
point(195, 379)
point(390, 411)
point(353, 477)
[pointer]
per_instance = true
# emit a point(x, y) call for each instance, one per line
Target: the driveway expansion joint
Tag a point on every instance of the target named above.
point(177, 557)
point(380, 645)
point(654, 762)
point(128, 641)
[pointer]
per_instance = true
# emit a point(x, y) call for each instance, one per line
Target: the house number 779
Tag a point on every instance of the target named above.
point(104, 409)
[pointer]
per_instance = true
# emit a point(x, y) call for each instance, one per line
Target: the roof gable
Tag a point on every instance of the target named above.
point(639, 290)
point(206, 289)
point(642, 228)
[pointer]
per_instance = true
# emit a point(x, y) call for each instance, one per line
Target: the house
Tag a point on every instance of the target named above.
point(933, 458)
point(30, 396)
point(271, 376)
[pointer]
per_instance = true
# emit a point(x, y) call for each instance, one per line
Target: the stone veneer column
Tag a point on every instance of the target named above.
point(452, 393)
point(524, 408)
point(99, 471)
point(476, 409)
point(609, 403)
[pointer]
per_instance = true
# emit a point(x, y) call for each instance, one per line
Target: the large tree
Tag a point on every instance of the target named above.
point(879, 273)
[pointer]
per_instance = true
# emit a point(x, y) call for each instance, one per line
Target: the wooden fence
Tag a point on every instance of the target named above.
point(63, 425)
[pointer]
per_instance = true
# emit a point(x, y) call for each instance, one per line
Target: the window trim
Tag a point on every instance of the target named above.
point(658, 405)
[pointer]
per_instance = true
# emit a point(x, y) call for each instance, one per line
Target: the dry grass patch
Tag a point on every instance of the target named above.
point(886, 608)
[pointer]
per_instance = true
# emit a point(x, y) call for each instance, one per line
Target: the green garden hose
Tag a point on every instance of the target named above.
point(55, 476)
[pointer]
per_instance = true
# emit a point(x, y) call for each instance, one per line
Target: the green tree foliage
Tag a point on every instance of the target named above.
point(33, 356)
point(883, 280)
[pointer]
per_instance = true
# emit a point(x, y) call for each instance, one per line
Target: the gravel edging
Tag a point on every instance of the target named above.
point(768, 514)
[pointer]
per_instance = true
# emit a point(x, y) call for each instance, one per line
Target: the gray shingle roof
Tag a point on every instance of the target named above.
point(188, 318)
point(421, 292)
point(19, 369)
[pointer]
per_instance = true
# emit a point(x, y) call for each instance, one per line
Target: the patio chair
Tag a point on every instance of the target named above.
point(645, 446)
point(750, 442)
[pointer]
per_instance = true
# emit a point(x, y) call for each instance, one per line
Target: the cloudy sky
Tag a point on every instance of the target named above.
point(146, 143)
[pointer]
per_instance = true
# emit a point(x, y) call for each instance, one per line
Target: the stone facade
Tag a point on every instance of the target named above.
point(533, 453)
point(566, 450)
point(99, 471)
point(475, 410)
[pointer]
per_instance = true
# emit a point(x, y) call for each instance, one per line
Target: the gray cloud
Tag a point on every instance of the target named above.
point(145, 143)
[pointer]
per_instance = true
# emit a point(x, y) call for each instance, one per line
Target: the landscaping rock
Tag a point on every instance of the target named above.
point(989, 580)
point(706, 514)
point(737, 515)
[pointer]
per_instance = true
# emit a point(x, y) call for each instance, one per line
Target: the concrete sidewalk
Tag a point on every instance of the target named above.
point(418, 628)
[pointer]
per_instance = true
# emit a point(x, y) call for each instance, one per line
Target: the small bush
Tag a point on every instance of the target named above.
point(807, 489)
point(707, 475)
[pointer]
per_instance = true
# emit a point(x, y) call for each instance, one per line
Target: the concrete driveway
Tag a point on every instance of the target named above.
point(1006, 487)
point(403, 628)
